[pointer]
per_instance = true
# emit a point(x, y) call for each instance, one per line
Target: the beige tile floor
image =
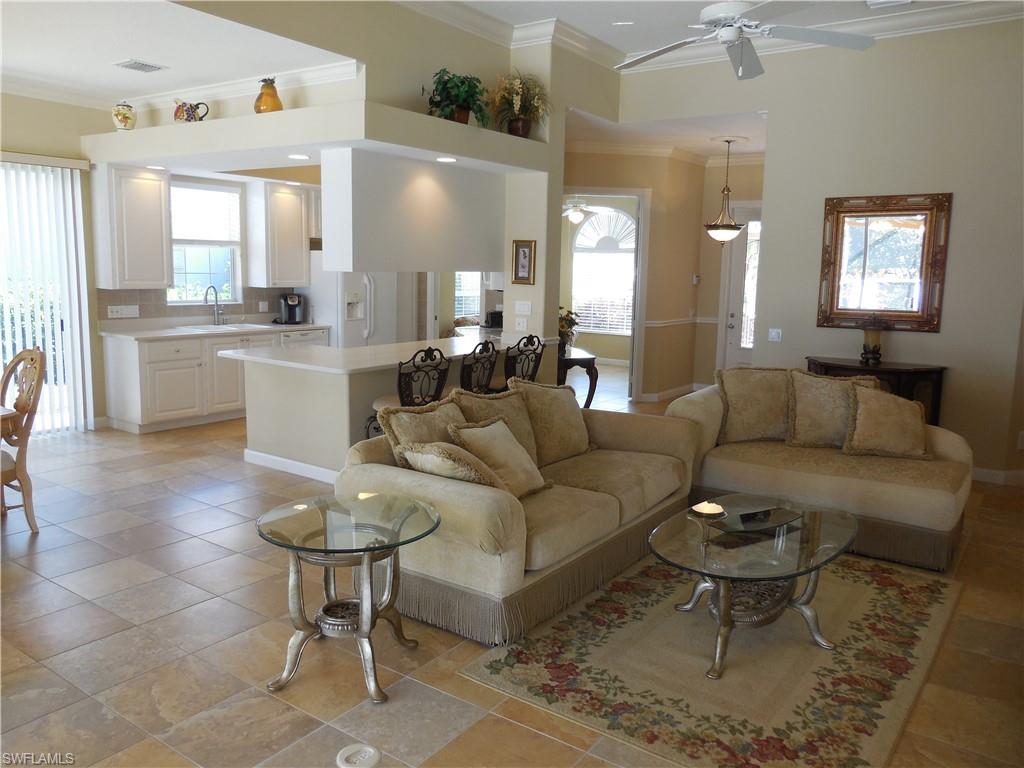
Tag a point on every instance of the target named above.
point(140, 625)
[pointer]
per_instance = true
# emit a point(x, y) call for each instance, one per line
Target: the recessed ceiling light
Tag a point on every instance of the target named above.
point(447, 159)
point(293, 183)
point(156, 168)
point(623, 23)
point(298, 156)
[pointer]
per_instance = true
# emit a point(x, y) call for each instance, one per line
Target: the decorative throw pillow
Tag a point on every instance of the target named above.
point(882, 424)
point(819, 408)
point(509, 405)
point(420, 424)
point(493, 443)
point(556, 418)
point(449, 460)
point(755, 404)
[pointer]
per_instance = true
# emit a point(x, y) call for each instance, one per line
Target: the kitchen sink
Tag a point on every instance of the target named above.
point(204, 328)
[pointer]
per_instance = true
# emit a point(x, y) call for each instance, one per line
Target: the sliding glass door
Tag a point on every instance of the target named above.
point(42, 285)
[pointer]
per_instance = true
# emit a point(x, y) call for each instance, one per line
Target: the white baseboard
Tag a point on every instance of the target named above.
point(162, 426)
point(323, 474)
point(1014, 477)
point(656, 397)
point(613, 361)
point(101, 422)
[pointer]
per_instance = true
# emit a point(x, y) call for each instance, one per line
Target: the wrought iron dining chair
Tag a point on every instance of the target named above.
point(27, 371)
point(421, 381)
point(478, 367)
point(522, 359)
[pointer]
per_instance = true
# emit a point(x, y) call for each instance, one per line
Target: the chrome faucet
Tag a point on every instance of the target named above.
point(217, 318)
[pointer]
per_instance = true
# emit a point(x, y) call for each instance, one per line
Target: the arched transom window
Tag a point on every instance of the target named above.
point(603, 272)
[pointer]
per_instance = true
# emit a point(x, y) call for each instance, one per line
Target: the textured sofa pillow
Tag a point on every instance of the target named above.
point(882, 424)
point(420, 424)
point(755, 404)
point(557, 420)
point(509, 405)
point(819, 408)
point(493, 443)
point(448, 460)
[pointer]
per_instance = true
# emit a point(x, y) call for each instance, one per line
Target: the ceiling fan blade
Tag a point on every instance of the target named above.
point(659, 52)
point(819, 36)
point(745, 61)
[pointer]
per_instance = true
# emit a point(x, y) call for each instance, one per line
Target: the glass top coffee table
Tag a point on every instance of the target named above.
point(749, 554)
point(330, 532)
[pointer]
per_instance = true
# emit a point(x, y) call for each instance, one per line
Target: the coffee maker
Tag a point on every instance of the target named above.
point(292, 309)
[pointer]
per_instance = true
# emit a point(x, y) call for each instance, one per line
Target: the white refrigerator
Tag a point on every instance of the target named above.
point(361, 308)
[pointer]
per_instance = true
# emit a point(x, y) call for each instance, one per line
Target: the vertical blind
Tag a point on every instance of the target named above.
point(42, 296)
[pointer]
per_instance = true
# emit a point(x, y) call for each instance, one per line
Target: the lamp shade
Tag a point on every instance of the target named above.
point(723, 233)
point(576, 215)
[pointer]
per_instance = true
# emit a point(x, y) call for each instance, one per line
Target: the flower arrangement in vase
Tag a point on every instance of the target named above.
point(455, 96)
point(518, 101)
point(567, 322)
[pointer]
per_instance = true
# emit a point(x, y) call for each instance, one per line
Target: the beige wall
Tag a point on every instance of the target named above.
point(937, 112)
point(674, 232)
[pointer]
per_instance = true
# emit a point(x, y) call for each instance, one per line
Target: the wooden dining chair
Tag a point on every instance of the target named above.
point(421, 381)
point(27, 370)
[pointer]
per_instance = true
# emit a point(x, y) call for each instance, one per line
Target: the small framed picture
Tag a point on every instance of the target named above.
point(524, 261)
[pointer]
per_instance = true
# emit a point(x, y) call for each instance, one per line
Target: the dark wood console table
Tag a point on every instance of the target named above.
point(910, 380)
point(574, 356)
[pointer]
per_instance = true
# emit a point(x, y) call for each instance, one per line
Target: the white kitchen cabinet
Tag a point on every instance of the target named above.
point(174, 390)
point(225, 382)
point(316, 337)
point(314, 211)
point(131, 210)
point(278, 235)
point(493, 281)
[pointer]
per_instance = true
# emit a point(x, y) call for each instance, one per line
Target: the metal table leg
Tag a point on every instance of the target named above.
point(702, 585)
point(802, 605)
point(723, 596)
point(304, 630)
point(367, 618)
point(388, 612)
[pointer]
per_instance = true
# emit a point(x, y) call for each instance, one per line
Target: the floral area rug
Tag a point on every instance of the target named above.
point(624, 662)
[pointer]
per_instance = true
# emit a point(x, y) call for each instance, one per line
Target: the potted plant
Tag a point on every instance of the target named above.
point(567, 322)
point(518, 101)
point(455, 96)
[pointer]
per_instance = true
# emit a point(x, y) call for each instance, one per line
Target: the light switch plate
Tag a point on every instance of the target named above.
point(264, 306)
point(520, 323)
point(774, 334)
point(122, 311)
point(524, 307)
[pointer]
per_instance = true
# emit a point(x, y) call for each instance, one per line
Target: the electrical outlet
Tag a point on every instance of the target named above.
point(264, 306)
point(520, 323)
point(123, 310)
point(524, 307)
point(774, 334)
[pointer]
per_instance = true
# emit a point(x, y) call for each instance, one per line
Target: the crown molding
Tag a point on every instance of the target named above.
point(557, 32)
point(37, 88)
point(753, 158)
point(638, 150)
point(909, 22)
point(466, 18)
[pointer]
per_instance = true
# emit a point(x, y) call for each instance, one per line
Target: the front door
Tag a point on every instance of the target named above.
point(742, 257)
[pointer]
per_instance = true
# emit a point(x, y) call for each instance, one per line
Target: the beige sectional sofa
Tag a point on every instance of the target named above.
point(499, 565)
point(909, 510)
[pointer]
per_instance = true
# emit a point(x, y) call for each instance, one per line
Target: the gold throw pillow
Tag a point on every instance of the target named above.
point(420, 424)
point(819, 408)
point(494, 444)
point(449, 460)
point(557, 420)
point(509, 405)
point(882, 424)
point(755, 404)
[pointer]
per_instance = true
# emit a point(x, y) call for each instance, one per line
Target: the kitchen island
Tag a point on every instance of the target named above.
point(305, 406)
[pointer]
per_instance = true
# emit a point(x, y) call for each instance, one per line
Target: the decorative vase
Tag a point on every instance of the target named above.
point(267, 100)
point(520, 126)
point(123, 115)
point(187, 112)
point(461, 115)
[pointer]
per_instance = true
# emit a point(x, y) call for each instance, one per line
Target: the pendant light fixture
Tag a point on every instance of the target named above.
point(725, 227)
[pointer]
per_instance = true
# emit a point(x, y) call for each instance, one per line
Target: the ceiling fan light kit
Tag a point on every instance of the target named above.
point(728, 24)
point(725, 227)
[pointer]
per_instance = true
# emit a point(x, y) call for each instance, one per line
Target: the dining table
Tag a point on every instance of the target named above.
point(8, 421)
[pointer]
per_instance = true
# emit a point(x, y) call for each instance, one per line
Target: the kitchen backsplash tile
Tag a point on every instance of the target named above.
point(153, 303)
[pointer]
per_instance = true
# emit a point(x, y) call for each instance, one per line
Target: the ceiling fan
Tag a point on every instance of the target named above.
point(728, 23)
point(576, 209)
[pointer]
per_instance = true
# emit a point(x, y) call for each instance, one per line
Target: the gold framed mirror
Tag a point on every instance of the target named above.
point(883, 261)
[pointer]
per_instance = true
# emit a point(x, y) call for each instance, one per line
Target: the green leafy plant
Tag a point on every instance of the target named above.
point(453, 92)
point(518, 96)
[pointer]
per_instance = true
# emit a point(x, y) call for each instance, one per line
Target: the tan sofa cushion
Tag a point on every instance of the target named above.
point(449, 460)
point(819, 408)
point(925, 494)
point(756, 404)
point(494, 444)
point(557, 420)
point(561, 520)
point(509, 405)
point(637, 480)
point(883, 424)
point(419, 424)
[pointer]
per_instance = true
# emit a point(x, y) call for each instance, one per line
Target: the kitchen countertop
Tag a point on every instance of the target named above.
point(353, 359)
point(200, 331)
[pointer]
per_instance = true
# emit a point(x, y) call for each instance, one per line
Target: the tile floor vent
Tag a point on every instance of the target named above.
point(139, 66)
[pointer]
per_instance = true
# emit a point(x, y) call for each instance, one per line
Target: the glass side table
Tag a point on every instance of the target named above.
point(329, 532)
point(749, 557)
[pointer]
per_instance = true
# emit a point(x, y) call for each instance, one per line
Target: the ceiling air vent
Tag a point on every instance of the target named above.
point(139, 66)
